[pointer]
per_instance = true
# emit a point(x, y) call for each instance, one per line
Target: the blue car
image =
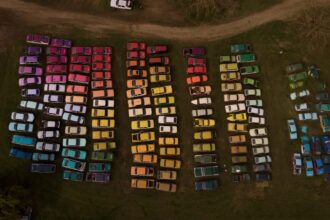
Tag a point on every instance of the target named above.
point(309, 166)
point(292, 129)
point(318, 166)
point(326, 159)
point(20, 154)
point(73, 175)
point(24, 140)
point(20, 127)
point(76, 154)
point(326, 148)
point(43, 157)
point(43, 168)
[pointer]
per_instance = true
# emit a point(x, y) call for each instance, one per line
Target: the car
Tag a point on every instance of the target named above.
point(56, 88)
point(103, 146)
point(236, 139)
point(166, 187)
point(169, 110)
point(133, 46)
point(56, 42)
point(326, 159)
point(308, 116)
point(169, 151)
point(20, 127)
point(251, 82)
point(237, 117)
point(253, 102)
point(30, 92)
point(308, 163)
point(196, 61)
point(263, 167)
point(74, 142)
point(80, 68)
point(142, 124)
point(29, 60)
point(322, 96)
point(204, 123)
point(135, 64)
point(99, 167)
point(257, 132)
point(81, 109)
point(163, 90)
point(136, 55)
point(75, 130)
point(30, 70)
point(77, 99)
point(252, 92)
point(164, 100)
point(69, 117)
point(103, 123)
point(145, 158)
point(77, 89)
point(168, 141)
point(228, 67)
point(167, 120)
point(143, 183)
point(170, 163)
point(238, 149)
point(240, 48)
point(306, 149)
point(101, 75)
point(78, 78)
point(81, 51)
point(102, 113)
point(294, 67)
point(101, 66)
point(256, 120)
point(44, 134)
point(160, 78)
point(73, 175)
point(194, 51)
point(141, 73)
point(142, 171)
point(32, 105)
point(22, 116)
point(205, 159)
point(167, 174)
point(43, 157)
point(297, 163)
point(23, 140)
point(259, 141)
point(78, 59)
point(196, 70)
point(239, 97)
point(139, 112)
point(136, 102)
point(204, 135)
point(168, 129)
point(316, 145)
point(103, 134)
point(263, 177)
point(136, 83)
point(233, 108)
point(301, 94)
point(57, 68)
point(156, 49)
point(206, 185)
point(227, 59)
point(260, 150)
point(142, 148)
point(203, 147)
point(246, 58)
point(48, 98)
point(73, 164)
point(61, 79)
point(208, 171)
point(230, 76)
point(53, 59)
point(301, 107)
point(29, 81)
point(296, 85)
point(155, 70)
point(102, 50)
point(97, 177)
point(101, 84)
point(56, 51)
point(133, 93)
point(237, 127)
point(202, 112)
point(231, 87)
point(255, 111)
point(318, 166)
point(143, 136)
point(37, 39)
point(47, 146)
point(248, 70)
point(43, 168)
point(103, 93)
point(102, 156)
point(262, 159)
point(321, 107)
point(295, 77)
point(200, 90)
point(292, 129)
point(20, 154)
point(238, 169)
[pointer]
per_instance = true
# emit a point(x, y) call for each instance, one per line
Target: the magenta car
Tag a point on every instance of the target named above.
point(56, 42)
point(37, 39)
point(101, 66)
point(57, 59)
point(30, 70)
point(102, 50)
point(80, 59)
point(60, 51)
point(78, 78)
point(81, 51)
point(29, 81)
point(80, 68)
point(23, 60)
point(32, 50)
point(56, 68)
point(55, 79)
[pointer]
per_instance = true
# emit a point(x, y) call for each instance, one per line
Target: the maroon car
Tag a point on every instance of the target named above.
point(80, 68)
point(156, 49)
point(81, 51)
point(57, 60)
point(60, 51)
point(193, 61)
point(102, 50)
point(136, 46)
point(56, 68)
point(80, 59)
point(194, 51)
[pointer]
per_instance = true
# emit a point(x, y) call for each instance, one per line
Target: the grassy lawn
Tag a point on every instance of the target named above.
point(288, 197)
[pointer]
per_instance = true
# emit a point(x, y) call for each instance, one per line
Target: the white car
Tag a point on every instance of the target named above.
point(168, 129)
point(256, 120)
point(257, 132)
point(254, 102)
point(45, 146)
point(262, 159)
point(301, 107)
point(259, 141)
point(167, 119)
point(255, 111)
point(103, 103)
point(75, 130)
point(73, 118)
point(234, 97)
point(22, 116)
point(48, 98)
point(82, 109)
point(239, 107)
point(54, 88)
point(202, 112)
point(121, 4)
point(50, 124)
point(252, 92)
point(202, 101)
point(260, 150)
point(48, 134)
point(139, 112)
point(303, 93)
point(32, 105)
point(54, 111)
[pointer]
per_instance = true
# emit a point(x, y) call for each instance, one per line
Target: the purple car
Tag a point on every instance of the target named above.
point(60, 51)
point(23, 60)
point(194, 51)
point(30, 70)
point(37, 39)
point(56, 79)
point(32, 50)
point(29, 81)
point(30, 92)
point(57, 59)
point(61, 43)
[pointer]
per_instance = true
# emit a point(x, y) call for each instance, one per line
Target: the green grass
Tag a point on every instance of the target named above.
point(288, 197)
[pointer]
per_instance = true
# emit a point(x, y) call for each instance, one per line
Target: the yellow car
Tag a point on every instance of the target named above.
point(143, 136)
point(204, 147)
point(164, 100)
point(97, 135)
point(145, 158)
point(162, 90)
point(142, 124)
point(231, 76)
point(168, 141)
point(143, 183)
point(228, 67)
point(237, 117)
point(167, 175)
point(143, 148)
point(168, 110)
point(169, 151)
point(102, 146)
point(159, 70)
point(166, 187)
point(170, 163)
point(204, 135)
point(160, 78)
point(200, 122)
point(236, 127)
point(103, 123)
point(142, 171)
point(102, 113)
point(137, 83)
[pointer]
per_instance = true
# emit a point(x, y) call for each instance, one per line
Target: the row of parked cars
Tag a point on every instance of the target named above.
point(245, 114)
point(151, 102)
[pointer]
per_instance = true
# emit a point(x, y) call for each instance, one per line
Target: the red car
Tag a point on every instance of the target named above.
point(78, 78)
point(159, 61)
point(101, 66)
point(56, 68)
point(80, 68)
point(57, 59)
point(136, 55)
point(80, 59)
point(102, 50)
point(56, 51)
point(192, 61)
point(101, 58)
point(156, 49)
point(77, 89)
point(196, 70)
point(196, 79)
point(136, 46)
point(137, 73)
point(101, 84)
point(81, 51)
point(101, 75)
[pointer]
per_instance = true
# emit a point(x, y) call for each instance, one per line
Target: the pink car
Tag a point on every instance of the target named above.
point(80, 59)
point(56, 79)
point(56, 69)
point(77, 89)
point(101, 66)
point(28, 81)
point(57, 59)
point(80, 68)
point(60, 51)
point(78, 78)
point(30, 70)
point(101, 58)
point(81, 51)
point(102, 50)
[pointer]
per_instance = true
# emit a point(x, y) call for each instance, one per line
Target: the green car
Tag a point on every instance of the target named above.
point(206, 171)
point(227, 59)
point(294, 68)
point(246, 58)
point(323, 107)
point(298, 76)
point(205, 158)
point(239, 169)
point(251, 82)
point(248, 70)
point(296, 85)
point(99, 155)
point(240, 48)
point(99, 167)
point(73, 175)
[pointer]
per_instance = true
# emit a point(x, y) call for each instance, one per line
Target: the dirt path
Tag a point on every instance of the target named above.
point(36, 14)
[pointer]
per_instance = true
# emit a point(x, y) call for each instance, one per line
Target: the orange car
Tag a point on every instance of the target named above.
point(101, 75)
point(76, 99)
point(137, 73)
point(196, 79)
point(105, 93)
point(144, 101)
point(142, 171)
point(102, 84)
point(77, 89)
point(142, 148)
point(135, 63)
point(132, 93)
point(137, 83)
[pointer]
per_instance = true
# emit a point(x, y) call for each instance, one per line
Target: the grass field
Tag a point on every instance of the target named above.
point(288, 197)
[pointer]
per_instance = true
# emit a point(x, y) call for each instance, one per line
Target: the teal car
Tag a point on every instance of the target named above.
point(99, 167)
point(20, 127)
point(73, 164)
point(43, 157)
point(246, 58)
point(74, 142)
point(251, 82)
point(24, 140)
point(73, 175)
point(75, 154)
point(323, 107)
point(297, 76)
point(240, 48)
point(248, 70)
point(99, 155)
